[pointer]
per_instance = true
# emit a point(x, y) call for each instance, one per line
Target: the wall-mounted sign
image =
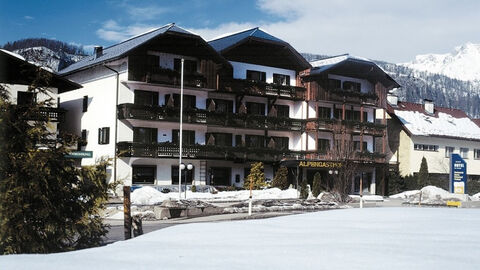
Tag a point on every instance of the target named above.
point(458, 174)
point(320, 164)
point(80, 154)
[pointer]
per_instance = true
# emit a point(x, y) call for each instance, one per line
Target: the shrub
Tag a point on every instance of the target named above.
point(304, 190)
point(281, 178)
point(317, 184)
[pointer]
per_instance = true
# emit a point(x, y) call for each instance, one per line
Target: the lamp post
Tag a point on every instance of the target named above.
point(182, 167)
point(180, 137)
point(189, 168)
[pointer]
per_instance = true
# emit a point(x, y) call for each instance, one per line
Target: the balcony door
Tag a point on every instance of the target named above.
point(220, 176)
point(144, 135)
point(145, 98)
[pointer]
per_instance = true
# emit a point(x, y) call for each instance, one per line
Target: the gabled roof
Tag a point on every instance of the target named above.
point(444, 122)
point(14, 69)
point(351, 66)
point(123, 48)
point(228, 43)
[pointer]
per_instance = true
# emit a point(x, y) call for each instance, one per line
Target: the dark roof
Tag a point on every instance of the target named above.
point(16, 70)
point(476, 121)
point(417, 107)
point(121, 49)
point(256, 36)
point(350, 66)
point(222, 43)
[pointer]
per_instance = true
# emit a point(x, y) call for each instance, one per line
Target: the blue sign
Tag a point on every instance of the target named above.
point(458, 174)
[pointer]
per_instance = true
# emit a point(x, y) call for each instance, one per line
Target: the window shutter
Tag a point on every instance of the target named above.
point(99, 136)
point(107, 135)
point(85, 104)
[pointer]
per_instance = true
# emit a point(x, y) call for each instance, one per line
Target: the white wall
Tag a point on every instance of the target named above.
point(437, 162)
point(240, 71)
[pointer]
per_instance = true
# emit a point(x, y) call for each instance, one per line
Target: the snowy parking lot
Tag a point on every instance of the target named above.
point(370, 238)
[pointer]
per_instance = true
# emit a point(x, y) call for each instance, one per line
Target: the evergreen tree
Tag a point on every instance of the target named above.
point(256, 176)
point(46, 203)
point(304, 190)
point(422, 177)
point(395, 183)
point(281, 178)
point(317, 184)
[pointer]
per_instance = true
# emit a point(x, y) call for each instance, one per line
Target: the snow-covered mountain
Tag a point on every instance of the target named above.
point(462, 64)
point(48, 53)
point(43, 56)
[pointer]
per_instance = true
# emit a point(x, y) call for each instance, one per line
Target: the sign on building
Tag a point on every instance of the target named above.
point(458, 174)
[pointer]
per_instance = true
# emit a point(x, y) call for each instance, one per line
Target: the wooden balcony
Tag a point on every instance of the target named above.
point(356, 156)
point(165, 76)
point(348, 96)
point(47, 114)
point(253, 88)
point(170, 150)
point(200, 116)
point(337, 126)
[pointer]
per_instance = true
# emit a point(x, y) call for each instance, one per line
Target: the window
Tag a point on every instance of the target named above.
point(338, 114)
point(85, 104)
point(476, 153)
point(356, 146)
point(83, 140)
point(448, 151)
point(221, 139)
point(186, 175)
point(281, 79)
point(144, 135)
point(281, 143)
point(256, 76)
point(143, 174)
point(189, 66)
point(257, 141)
point(221, 105)
point(334, 84)
point(323, 145)
point(324, 112)
point(187, 135)
point(104, 135)
point(146, 98)
point(238, 140)
point(425, 147)
point(255, 108)
point(25, 98)
point(283, 111)
point(189, 101)
point(153, 61)
point(352, 86)
point(464, 152)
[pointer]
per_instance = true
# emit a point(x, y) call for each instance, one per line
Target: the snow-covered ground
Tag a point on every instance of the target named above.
point(369, 238)
point(150, 196)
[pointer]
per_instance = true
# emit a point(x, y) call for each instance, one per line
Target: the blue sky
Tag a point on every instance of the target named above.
point(395, 31)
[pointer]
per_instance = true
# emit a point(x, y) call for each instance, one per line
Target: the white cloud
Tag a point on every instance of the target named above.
point(377, 29)
point(112, 31)
point(26, 17)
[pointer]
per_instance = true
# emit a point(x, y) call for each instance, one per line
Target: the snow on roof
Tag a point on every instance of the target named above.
point(13, 54)
point(445, 122)
point(336, 59)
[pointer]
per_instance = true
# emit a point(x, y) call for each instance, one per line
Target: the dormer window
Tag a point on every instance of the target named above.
point(352, 86)
point(281, 79)
point(257, 76)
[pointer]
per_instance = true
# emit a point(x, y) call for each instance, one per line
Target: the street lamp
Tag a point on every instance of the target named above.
point(189, 167)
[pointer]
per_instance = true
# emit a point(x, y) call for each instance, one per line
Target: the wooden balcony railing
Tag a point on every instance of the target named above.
point(170, 77)
point(248, 87)
point(200, 116)
point(349, 126)
point(197, 151)
point(348, 96)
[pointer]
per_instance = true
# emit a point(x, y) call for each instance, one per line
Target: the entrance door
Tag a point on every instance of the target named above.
point(220, 176)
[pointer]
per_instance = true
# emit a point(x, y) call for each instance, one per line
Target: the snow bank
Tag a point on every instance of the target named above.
point(443, 125)
point(431, 194)
point(150, 196)
point(395, 238)
point(475, 197)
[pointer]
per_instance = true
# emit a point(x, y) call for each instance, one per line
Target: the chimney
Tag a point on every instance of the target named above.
point(392, 99)
point(428, 106)
point(97, 51)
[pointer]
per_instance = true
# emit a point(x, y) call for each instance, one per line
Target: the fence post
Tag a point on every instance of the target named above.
point(127, 218)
